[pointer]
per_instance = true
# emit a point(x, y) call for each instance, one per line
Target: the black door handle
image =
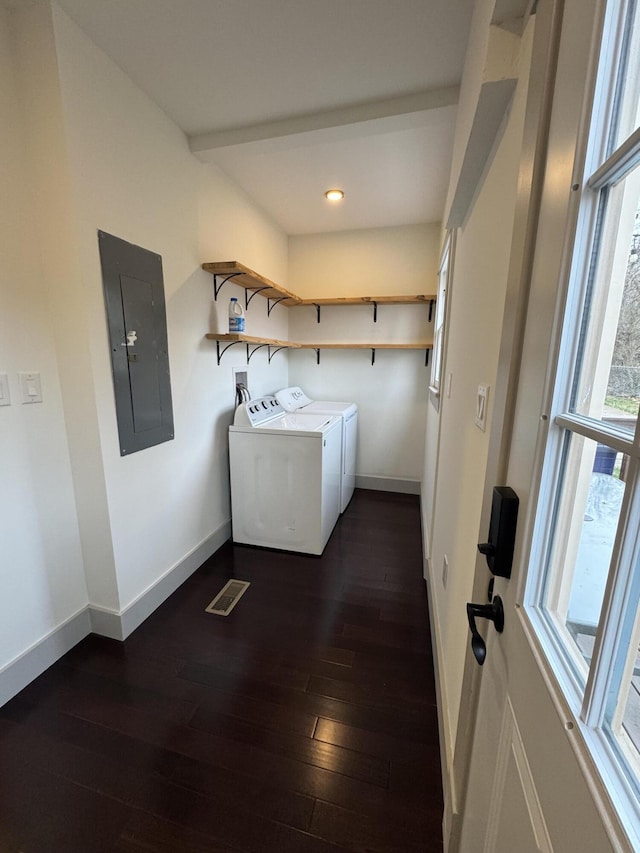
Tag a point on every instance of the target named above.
point(493, 612)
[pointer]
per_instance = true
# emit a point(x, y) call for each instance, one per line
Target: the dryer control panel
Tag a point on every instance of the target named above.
point(293, 398)
point(257, 412)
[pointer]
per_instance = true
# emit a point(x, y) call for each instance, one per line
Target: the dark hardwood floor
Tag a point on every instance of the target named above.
point(303, 721)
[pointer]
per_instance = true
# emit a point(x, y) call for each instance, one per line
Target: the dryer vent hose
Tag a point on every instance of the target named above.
point(242, 394)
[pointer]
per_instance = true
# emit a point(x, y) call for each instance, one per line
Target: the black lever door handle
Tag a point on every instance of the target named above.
point(493, 612)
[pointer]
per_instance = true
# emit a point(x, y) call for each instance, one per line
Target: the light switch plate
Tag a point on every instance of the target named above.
point(30, 387)
point(5, 396)
point(481, 407)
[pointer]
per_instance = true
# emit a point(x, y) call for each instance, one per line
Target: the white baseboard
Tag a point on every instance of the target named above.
point(110, 623)
point(106, 623)
point(387, 484)
point(21, 671)
point(17, 674)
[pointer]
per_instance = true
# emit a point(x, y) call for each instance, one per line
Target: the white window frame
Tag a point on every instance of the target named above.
point(587, 702)
point(445, 278)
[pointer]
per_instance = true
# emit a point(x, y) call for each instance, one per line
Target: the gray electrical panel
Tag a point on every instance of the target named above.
point(136, 315)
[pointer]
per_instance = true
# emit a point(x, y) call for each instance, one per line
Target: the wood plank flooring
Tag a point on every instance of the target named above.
point(304, 721)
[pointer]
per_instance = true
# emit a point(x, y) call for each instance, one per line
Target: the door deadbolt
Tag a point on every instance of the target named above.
point(502, 531)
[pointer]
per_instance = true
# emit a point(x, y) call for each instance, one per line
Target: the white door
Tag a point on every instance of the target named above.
point(545, 750)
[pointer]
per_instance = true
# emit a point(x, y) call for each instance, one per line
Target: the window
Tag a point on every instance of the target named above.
point(444, 276)
point(584, 593)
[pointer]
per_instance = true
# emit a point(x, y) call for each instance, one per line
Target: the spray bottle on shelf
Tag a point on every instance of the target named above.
point(236, 316)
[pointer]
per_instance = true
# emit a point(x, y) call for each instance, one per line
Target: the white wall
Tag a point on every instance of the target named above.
point(41, 573)
point(47, 152)
point(476, 314)
point(369, 262)
point(82, 149)
point(392, 393)
point(133, 176)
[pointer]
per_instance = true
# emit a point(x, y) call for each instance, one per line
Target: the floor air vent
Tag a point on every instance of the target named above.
point(228, 597)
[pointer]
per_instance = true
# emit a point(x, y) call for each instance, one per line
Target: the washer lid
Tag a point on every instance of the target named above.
point(295, 422)
point(292, 399)
point(330, 407)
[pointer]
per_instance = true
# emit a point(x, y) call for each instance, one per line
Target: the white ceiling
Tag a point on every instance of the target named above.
point(291, 97)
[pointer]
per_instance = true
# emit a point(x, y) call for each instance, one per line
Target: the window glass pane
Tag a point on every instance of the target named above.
point(622, 716)
point(627, 722)
point(628, 107)
point(587, 510)
point(438, 326)
point(607, 382)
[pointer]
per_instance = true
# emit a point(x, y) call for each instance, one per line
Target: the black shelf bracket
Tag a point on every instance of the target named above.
point(426, 358)
point(274, 350)
point(317, 349)
point(252, 349)
point(271, 304)
point(252, 352)
point(218, 287)
point(317, 307)
point(375, 311)
point(373, 356)
point(431, 301)
point(220, 352)
point(247, 298)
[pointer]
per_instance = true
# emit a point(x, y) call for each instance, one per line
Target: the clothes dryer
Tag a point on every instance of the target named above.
point(285, 476)
point(295, 400)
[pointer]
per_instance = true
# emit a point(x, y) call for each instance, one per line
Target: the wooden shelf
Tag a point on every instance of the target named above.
point(233, 338)
point(239, 338)
point(250, 280)
point(416, 299)
point(253, 281)
point(374, 301)
point(414, 345)
point(427, 346)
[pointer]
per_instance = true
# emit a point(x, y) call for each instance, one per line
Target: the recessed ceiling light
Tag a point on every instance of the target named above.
point(334, 195)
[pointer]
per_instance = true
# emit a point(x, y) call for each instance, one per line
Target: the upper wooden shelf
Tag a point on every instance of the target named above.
point(250, 280)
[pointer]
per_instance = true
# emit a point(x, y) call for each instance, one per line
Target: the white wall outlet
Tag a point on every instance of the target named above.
point(5, 396)
point(445, 571)
point(481, 407)
point(30, 387)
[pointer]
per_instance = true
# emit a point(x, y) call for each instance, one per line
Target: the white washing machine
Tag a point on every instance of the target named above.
point(285, 476)
point(295, 400)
